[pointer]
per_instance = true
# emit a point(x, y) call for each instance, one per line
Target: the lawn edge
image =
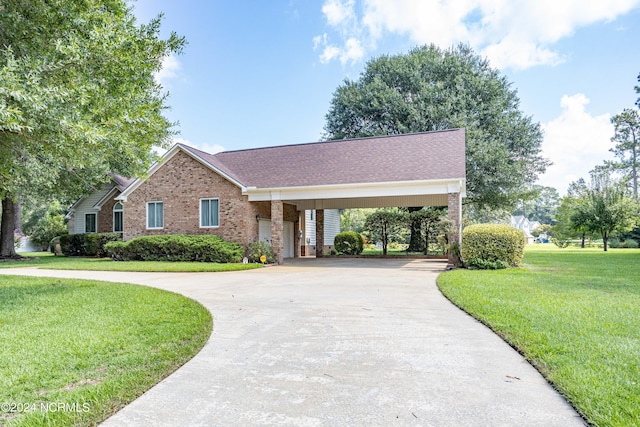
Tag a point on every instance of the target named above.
point(518, 350)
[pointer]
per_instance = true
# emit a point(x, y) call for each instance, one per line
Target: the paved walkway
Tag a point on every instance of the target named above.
point(338, 342)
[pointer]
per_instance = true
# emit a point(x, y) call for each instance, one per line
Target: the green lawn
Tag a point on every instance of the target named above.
point(48, 260)
point(575, 315)
point(93, 344)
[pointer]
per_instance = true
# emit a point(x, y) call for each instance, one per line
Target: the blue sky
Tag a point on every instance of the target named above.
point(262, 73)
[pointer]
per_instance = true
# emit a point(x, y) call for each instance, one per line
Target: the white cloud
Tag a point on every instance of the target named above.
point(575, 142)
point(205, 146)
point(341, 16)
point(338, 12)
point(170, 70)
point(511, 34)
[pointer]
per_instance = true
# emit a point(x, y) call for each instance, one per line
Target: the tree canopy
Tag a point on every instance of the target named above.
point(540, 205)
point(604, 207)
point(432, 89)
point(627, 149)
point(78, 98)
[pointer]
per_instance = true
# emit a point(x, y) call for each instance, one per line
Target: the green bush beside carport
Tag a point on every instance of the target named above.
point(492, 246)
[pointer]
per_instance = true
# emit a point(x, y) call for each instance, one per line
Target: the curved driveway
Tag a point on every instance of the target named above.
point(338, 342)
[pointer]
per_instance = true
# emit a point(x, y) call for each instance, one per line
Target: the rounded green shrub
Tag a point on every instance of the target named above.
point(492, 245)
point(348, 243)
point(630, 244)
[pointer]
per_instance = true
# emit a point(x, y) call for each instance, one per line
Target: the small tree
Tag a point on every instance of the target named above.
point(49, 226)
point(541, 229)
point(384, 224)
point(605, 207)
point(430, 221)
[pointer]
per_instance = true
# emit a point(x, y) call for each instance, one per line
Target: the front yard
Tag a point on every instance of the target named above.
point(73, 352)
point(575, 315)
point(49, 261)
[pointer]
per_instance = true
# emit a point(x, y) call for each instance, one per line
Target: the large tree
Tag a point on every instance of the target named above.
point(627, 149)
point(432, 89)
point(540, 205)
point(78, 97)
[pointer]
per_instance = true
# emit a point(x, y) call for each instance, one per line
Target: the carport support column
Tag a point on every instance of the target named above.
point(454, 204)
point(277, 242)
point(319, 233)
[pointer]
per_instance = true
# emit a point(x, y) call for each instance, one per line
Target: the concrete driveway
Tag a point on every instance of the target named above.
point(338, 342)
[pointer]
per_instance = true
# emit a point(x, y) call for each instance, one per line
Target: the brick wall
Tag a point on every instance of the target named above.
point(105, 216)
point(455, 216)
point(180, 184)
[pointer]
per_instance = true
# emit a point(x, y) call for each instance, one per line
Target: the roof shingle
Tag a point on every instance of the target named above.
point(408, 157)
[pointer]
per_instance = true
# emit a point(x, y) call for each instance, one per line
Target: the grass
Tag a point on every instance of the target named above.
point(575, 315)
point(49, 261)
point(91, 344)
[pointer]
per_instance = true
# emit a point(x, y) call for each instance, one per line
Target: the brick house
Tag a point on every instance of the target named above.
point(289, 195)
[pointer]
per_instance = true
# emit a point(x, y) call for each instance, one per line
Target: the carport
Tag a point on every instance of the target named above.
point(419, 169)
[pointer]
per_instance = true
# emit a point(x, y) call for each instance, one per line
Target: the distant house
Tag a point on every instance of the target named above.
point(522, 223)
point(288, 195)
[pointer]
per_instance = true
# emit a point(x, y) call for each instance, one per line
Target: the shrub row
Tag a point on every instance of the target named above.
point(627, 244)
point(348, 243)
point(176, 247)
point(491, 246)
point(91, 244)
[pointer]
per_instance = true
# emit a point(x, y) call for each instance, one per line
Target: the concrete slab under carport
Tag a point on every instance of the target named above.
point(338, 342)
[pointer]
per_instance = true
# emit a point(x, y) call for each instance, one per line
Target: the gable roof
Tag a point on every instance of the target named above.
point(408, 157)
point(416, 157)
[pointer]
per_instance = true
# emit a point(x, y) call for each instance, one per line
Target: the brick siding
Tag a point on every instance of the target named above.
point(180, 183)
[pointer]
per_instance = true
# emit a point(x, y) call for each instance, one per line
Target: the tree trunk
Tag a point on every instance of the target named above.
point(582, 243)
point(426, 242)
point(7, 247)
point(17, 221)
point(385, 240)
point(605, 238)
point(415, 241)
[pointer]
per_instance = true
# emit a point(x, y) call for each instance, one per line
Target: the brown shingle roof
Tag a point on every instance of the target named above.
point(121, 182)
point(408, 157)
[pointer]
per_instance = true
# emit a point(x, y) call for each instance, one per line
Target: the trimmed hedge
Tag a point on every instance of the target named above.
point(90, 244)
point(348, 243)
point(176, 247)
point(491, 246)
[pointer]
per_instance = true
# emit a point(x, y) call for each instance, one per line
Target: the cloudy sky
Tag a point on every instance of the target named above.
point(261, 73)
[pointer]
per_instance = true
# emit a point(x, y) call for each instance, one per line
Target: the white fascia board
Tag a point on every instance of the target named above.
point(167, 156)
point(344, 191)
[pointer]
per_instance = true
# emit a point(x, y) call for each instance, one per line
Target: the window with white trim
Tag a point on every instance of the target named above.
point(90, 223)
point(118, 211)
point(209, 213)
point(155, 215)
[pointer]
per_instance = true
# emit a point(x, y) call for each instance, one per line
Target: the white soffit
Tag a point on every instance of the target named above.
point(359, 191)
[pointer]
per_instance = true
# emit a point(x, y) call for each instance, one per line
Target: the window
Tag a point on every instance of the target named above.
point(155, 215)
point(117, 217)
point(90, 223)
point(209, 213)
